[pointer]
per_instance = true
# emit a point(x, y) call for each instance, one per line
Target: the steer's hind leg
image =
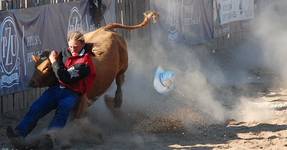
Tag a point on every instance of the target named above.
point(116, 102)
point(119, 95)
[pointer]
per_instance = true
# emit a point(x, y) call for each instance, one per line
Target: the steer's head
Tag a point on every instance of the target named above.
point(43, 75)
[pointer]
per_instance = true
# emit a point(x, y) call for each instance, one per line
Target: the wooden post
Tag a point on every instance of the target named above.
point(26, 4)
point(17, 100)
point(7, 103)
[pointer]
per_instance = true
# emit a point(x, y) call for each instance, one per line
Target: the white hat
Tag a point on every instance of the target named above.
point(163, 80)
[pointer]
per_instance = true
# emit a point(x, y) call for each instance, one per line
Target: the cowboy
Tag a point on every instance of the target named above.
point(75, 72)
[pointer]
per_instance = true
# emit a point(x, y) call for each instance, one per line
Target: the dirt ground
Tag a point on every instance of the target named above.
point(136, 131)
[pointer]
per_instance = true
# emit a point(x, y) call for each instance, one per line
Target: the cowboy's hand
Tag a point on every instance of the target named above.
point(53, 56)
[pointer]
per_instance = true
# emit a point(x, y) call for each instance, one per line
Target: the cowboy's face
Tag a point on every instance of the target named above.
point(75, 47)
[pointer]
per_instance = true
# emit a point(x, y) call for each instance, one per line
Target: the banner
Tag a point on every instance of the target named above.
point(24, 32)
point(226, 11)
point(187, 22)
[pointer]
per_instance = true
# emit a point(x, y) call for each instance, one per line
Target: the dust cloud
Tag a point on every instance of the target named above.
point(270, 30)
point(191, 86)
point(262, 57)
point(250, 110)
point(206, 92)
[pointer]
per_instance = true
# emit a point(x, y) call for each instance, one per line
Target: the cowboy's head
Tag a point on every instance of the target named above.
point(76, 42)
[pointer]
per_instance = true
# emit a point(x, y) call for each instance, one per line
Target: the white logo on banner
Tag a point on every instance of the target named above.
point(75, 20)
point(9, 53)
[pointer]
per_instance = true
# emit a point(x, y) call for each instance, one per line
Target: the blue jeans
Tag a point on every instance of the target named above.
point(61, 99)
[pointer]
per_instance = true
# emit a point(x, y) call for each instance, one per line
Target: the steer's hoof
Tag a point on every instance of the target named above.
point(117, 102)
point(109, 101)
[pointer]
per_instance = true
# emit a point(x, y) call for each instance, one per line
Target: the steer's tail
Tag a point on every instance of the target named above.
point(149, 15)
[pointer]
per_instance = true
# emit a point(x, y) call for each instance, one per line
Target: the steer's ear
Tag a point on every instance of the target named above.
point(35, 58)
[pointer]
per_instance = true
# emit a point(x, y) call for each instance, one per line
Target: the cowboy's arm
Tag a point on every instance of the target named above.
point(68, 75)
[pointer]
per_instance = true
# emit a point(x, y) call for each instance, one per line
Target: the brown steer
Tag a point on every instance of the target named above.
point(111, 60)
